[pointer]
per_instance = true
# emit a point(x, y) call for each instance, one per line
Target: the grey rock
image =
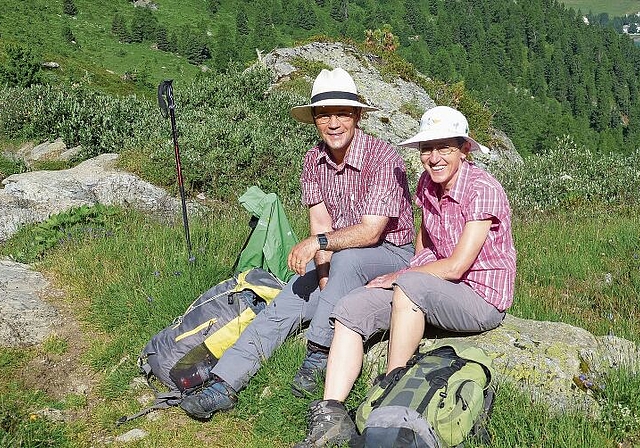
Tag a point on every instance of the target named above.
point(132, 436)
point(34, 196)
point(24, 318)
point(544, 360)
point(47, 150)
point(54, 415)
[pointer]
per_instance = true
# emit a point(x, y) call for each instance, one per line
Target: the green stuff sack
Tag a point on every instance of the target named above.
point(446, 389)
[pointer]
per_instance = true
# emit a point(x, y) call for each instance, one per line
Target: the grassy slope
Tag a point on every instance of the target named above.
point(98, 54)
point(616, 8)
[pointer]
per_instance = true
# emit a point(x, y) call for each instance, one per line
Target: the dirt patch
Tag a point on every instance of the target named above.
point(61, 373)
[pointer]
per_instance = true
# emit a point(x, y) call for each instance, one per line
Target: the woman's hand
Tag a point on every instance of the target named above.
point(384, 281)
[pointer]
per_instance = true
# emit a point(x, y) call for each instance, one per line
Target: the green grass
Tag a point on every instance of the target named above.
point(617, 8)
point(581, 268)
point(21, 422)
point(128, 282)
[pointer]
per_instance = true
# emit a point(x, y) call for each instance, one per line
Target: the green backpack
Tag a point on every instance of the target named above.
point(442, 396)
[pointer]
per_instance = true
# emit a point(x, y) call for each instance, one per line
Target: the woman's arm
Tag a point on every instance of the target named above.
point(464, 254)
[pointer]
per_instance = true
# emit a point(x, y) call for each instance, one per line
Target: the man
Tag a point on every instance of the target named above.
point(461, 278)
point(361, 227)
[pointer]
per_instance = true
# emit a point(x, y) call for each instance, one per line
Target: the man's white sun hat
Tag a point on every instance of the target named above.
point(331, 88)
point(442, 122)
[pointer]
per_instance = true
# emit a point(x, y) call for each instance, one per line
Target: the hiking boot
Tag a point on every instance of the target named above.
point(329, 425)
point(311, 371)
point(217, 397)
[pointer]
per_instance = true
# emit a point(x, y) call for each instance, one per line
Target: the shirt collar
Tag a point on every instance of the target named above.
point(464, 172)
point(456, 192)
point(355, 155)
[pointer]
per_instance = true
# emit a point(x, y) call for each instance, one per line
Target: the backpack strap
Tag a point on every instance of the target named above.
point(387, 384)
point(437, 380)
point(163, 401)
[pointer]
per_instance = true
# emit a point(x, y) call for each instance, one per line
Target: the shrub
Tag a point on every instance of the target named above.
point(568, 175)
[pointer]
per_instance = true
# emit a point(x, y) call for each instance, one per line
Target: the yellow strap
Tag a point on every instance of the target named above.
point(267, 293)
point(226, 336)
point(198, 328)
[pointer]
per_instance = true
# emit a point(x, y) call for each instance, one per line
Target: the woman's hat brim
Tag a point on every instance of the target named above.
point(425, 136)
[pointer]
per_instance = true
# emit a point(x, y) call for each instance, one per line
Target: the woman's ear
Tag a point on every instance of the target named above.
point(465, 148)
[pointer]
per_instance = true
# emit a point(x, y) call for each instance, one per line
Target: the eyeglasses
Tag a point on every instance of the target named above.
point(344, 117)
point(443, 149)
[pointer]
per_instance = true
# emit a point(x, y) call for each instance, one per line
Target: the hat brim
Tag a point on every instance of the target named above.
point(304, 114)
point(425, 136)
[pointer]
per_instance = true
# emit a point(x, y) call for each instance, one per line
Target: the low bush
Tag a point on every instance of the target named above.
point(567, 176)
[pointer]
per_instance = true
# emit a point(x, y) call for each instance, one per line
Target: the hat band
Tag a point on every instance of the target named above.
point(335, 95)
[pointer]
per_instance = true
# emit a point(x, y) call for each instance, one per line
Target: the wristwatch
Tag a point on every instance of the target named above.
point(322, 240)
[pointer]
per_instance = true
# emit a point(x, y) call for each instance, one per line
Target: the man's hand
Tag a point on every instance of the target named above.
point(302, 253)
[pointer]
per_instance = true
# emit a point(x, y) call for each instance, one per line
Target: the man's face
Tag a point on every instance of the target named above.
point(337, 125)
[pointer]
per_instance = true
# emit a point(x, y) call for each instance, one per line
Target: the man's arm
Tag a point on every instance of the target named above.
point(367, 233)
point(320, 222)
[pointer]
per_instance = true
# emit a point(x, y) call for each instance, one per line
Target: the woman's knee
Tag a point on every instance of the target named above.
point(401, 301)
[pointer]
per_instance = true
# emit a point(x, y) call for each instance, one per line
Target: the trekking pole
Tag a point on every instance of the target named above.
point(168, 109)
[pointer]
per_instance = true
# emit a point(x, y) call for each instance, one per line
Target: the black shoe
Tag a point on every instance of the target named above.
point(329, 425)
point(311, 371)
point(217, 397)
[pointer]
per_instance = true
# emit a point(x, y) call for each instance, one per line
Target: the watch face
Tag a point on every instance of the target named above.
point(322, 240)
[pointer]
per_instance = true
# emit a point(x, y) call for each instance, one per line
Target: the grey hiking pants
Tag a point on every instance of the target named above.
point(301, 301)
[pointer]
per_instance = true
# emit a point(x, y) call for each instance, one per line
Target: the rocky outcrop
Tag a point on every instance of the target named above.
point(557, 364)
point(400, 103)
point(46, 151)
point(34, 196)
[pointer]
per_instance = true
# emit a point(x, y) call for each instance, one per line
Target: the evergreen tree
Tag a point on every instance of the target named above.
point(412, 14)
point(143, 25)
point(162, 39)
point(303, 15)
point(376, 17)
point(442, 65)
point(339, 10)
point(558, 77)
point(21, 68)
point(213, 6)
point(67, 34)
point(225, 49)
point(263, 37)
point(119, 28)
point(193, 46)
point(173, 41)
point(242, 22)
point(69, 8)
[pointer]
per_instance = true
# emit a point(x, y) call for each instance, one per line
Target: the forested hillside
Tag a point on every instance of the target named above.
point(541, 70)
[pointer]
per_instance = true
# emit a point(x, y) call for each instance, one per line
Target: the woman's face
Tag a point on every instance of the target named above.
point(442, 160)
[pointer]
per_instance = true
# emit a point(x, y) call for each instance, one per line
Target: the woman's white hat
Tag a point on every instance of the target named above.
point(443, 122)
point(331, 88)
